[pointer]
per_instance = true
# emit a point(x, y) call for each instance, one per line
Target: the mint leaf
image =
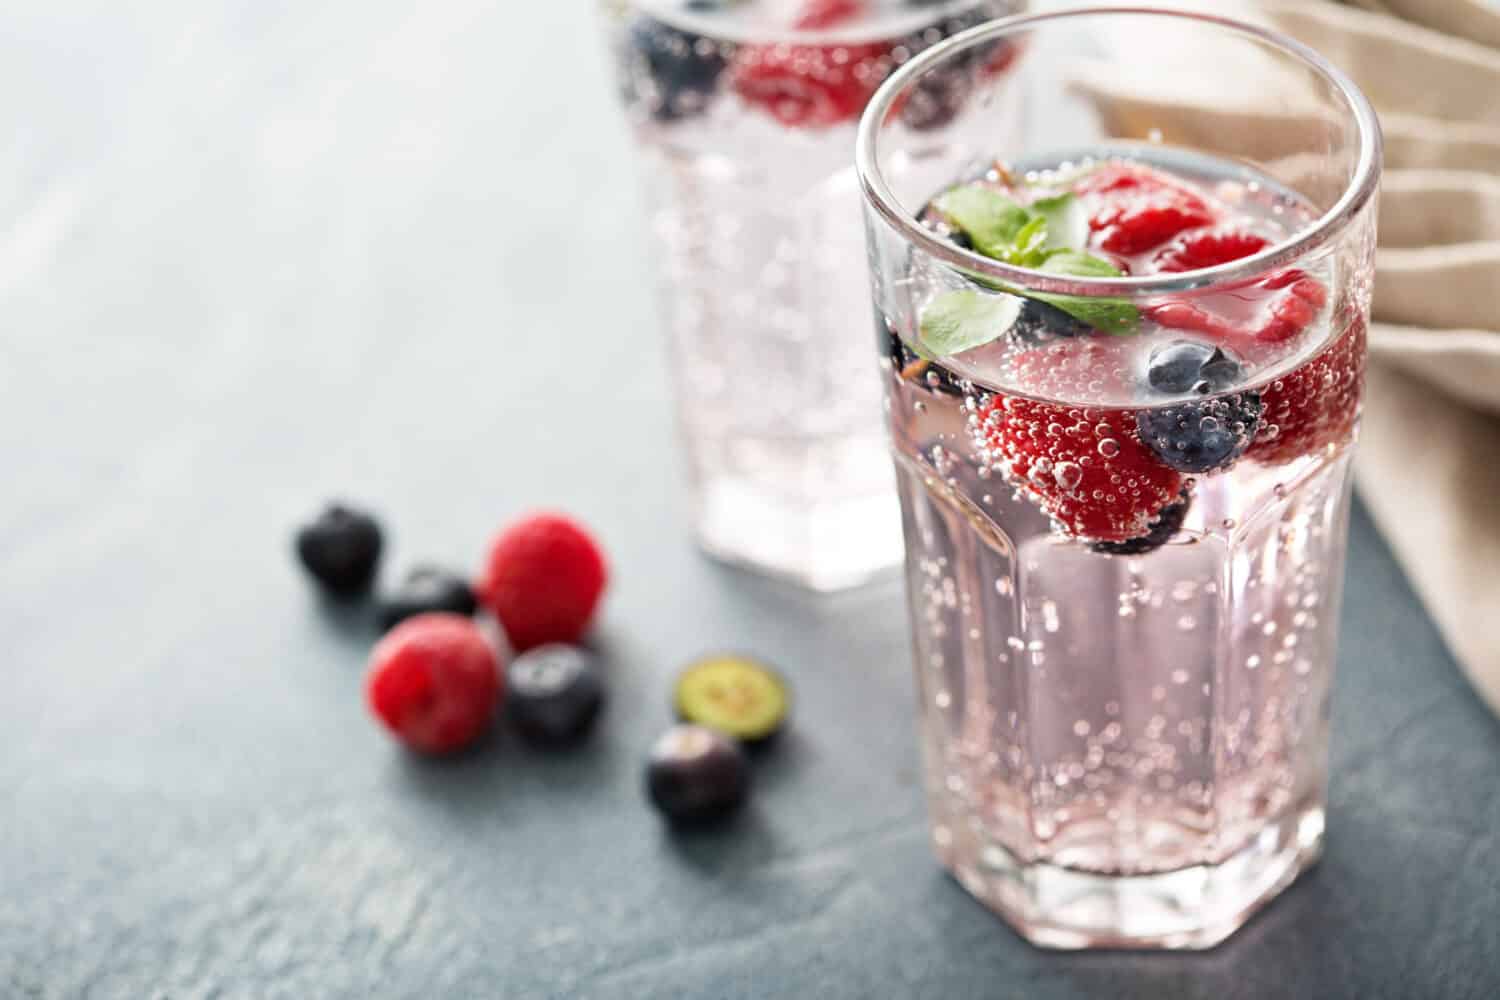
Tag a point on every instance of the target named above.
point(959, 321)
point(1067, 222)
point(1113, 315)
point(987, 217)
point(1079, 264)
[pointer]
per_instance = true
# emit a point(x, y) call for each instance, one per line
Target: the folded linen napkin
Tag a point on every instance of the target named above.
point(1428, 465)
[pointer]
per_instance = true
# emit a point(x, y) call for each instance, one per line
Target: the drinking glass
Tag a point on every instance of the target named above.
point(1124, 587)
point(744, 117)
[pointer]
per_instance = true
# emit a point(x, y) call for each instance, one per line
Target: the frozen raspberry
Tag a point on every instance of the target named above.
point(1086, 467)
point(1207, 248)
point(543, 579)
point(434, 682)
point(1315, 405)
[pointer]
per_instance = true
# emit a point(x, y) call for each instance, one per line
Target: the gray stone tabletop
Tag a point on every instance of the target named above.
point(254, 254)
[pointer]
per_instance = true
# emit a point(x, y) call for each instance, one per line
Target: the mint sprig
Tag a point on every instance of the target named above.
point(1048, 236)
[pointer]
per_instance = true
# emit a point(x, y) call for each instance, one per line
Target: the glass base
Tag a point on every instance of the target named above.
point(824, 546)
point(1190, 908)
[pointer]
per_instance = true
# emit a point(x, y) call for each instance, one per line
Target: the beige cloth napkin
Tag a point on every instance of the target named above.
point(1429, 458)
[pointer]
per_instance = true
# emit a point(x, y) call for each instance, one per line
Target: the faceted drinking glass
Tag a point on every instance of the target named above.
point(1123, 292)
point(744, 117)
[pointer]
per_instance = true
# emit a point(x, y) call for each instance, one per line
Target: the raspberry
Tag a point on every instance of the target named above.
point(1136, 209)
point(1295, 309)
point(1085, 467)
point(1316, 405)
point(1294, 304)
point(1140, 222)
point(434, 682)
point(1207, 248)
point(809, 86)
point(543, 579)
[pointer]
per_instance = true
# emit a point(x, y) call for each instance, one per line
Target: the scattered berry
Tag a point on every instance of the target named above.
point(1085, 467)
point(433, 682)
point(733, 694)
point(1315, 405)
point(554, 693)
point(1166, 525)
point(1202, 436)
point(696, 775)
point(809, 86)
point(1207, 248)
point(427, 588)
point(341, 549)
point(543, 580)
point(1190, 366)
point(682, 68)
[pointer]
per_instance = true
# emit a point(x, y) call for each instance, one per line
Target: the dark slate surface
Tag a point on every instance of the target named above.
point(253, 254)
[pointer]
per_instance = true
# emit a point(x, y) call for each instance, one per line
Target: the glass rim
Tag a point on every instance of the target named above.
point(1357, 192)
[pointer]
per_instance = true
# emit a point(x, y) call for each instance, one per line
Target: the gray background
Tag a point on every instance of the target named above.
point(254, 254)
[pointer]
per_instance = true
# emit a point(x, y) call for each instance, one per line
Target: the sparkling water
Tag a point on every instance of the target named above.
point(746, 125)
point(1136, 742)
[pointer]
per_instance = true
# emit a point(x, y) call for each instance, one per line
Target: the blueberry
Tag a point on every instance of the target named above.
point(427, 588)
point(1167, 524)
point(554, 693)
point(1189, 366)
point(1201, 436)
point(696, 775)
point(341, 549)
point(683, 68)
point(1039, 322)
